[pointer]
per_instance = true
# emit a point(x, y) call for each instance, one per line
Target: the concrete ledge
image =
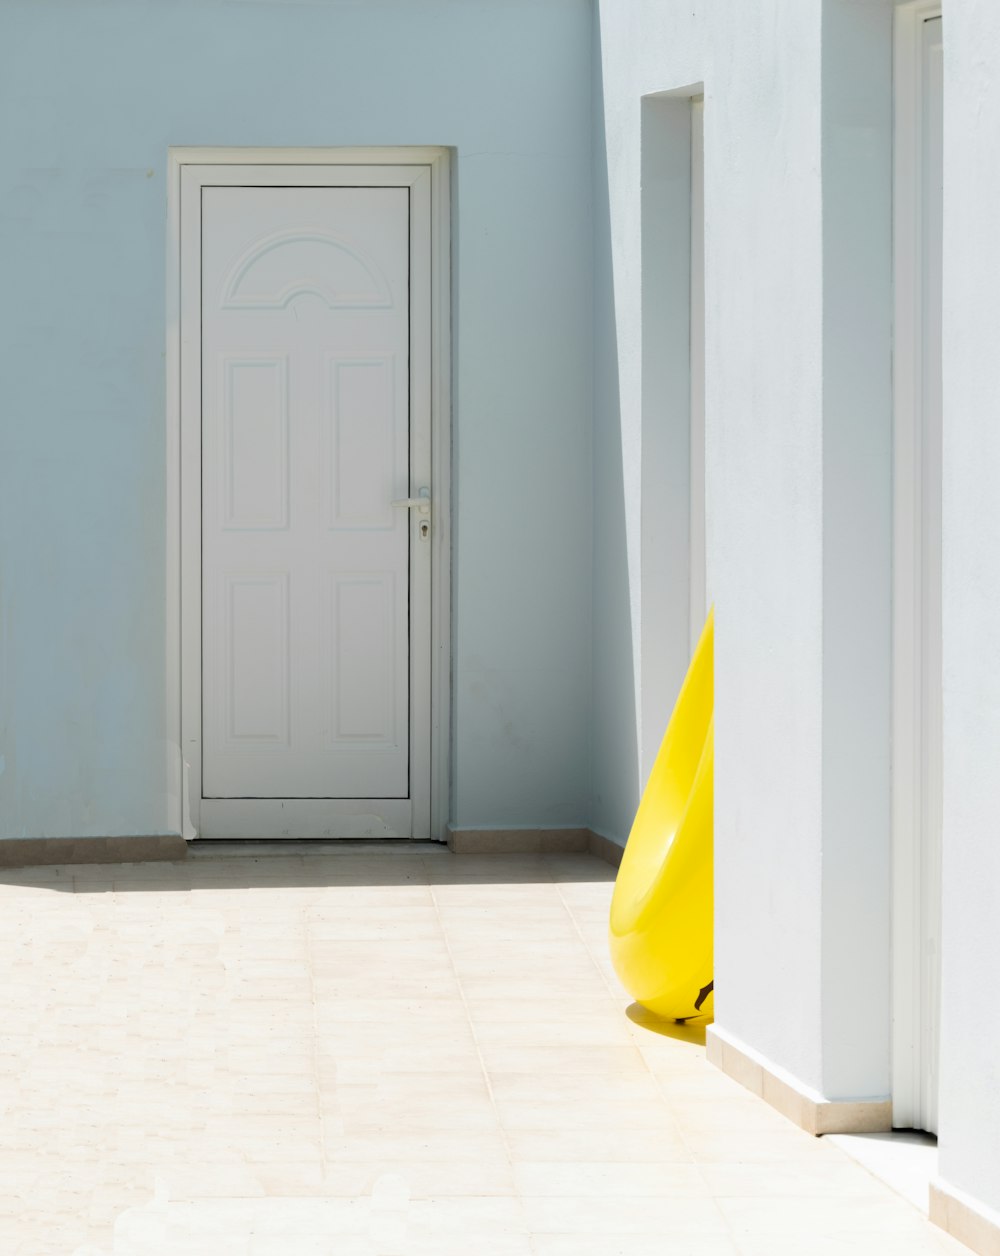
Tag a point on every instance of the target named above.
point(30, 852)
point(518, 841)
point(965, 1219)
point(807, 1108)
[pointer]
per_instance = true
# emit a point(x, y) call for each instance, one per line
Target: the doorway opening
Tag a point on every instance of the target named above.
point(674, 597)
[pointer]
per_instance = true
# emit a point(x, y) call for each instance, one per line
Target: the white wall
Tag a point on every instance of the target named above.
point(857, 546)
point(969, 1113)
point(91, 95)
point(641, 48)
point(798, 167)
point(798, 413)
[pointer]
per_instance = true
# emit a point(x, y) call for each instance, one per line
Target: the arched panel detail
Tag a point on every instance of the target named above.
point(286, 264)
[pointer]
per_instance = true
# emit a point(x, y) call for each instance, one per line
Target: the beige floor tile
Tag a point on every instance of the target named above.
point(425, 1179)
point(288, 1053)
point(840, 1217)
point(808, 1178)
point(653, 1243)
point(679, 1216)
point(405, 1012)
point(707, 1115)
point(609, 1179)
point(215, 1181)
point(596, 1114)
point(634, 1086)
point(374, 901)
point(926, 1242)
point(599, 1031)
point(390, 985)
point(599, 1061)
point(494, 870)
point(458, 906)
point(783, 1146)
point(523, 966)
point(617, 1145)
point(414, 1116)
point(386, 1146)
point(466, 1086)
point(534, 987)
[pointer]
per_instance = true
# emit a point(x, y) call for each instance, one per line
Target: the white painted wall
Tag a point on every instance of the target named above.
point(798, 413)
point(969, 1112)
point(857, 547)
point(798, 400)
point(91, 95)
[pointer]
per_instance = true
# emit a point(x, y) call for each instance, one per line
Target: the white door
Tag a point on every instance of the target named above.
point(315, 549)
point(917, 769)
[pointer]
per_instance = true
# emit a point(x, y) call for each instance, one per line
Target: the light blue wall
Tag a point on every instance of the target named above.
point(92, 93)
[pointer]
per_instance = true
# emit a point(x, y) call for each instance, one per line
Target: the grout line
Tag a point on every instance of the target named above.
point(306, 930)
point(482, 1066)
point(615, 997)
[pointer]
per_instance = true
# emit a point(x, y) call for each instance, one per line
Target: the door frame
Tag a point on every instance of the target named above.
point(916, 877)
point(426, 168)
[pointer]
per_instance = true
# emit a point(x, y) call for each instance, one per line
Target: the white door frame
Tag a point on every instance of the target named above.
point(916, 883)
point(425, 171)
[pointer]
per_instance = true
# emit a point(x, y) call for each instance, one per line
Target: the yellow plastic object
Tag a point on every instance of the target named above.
point(661, 912)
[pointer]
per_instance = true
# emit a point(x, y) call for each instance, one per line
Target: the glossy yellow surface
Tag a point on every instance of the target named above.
point(661, 912)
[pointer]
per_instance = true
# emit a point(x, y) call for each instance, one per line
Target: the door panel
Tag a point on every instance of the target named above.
point(305, 445)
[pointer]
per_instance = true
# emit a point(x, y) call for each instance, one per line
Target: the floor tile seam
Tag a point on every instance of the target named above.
point(321, 1116)
point(586, 945)
point(505, 1141)
point(700, 1170)
point(656, 1081)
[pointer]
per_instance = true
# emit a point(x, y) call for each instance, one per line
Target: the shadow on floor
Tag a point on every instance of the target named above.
point(292, 864)
point(683, 1031)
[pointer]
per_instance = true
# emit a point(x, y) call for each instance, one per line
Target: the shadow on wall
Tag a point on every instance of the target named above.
point(615, 783)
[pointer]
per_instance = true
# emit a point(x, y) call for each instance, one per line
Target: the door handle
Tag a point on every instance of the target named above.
point(421, 503)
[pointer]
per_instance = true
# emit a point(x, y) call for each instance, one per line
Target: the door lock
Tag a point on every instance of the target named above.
point(422, 505)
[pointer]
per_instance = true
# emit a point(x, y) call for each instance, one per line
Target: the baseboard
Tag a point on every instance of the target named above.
point(965, 1219)
point(30, 852)
point(534, 842)
point(605, 848)
point(805, 1107)
point(517, 841)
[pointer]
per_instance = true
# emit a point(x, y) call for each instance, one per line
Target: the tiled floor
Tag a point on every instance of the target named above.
point(389, 1054)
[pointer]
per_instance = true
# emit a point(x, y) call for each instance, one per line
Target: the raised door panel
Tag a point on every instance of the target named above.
point(254, 640)
point(254, 454)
